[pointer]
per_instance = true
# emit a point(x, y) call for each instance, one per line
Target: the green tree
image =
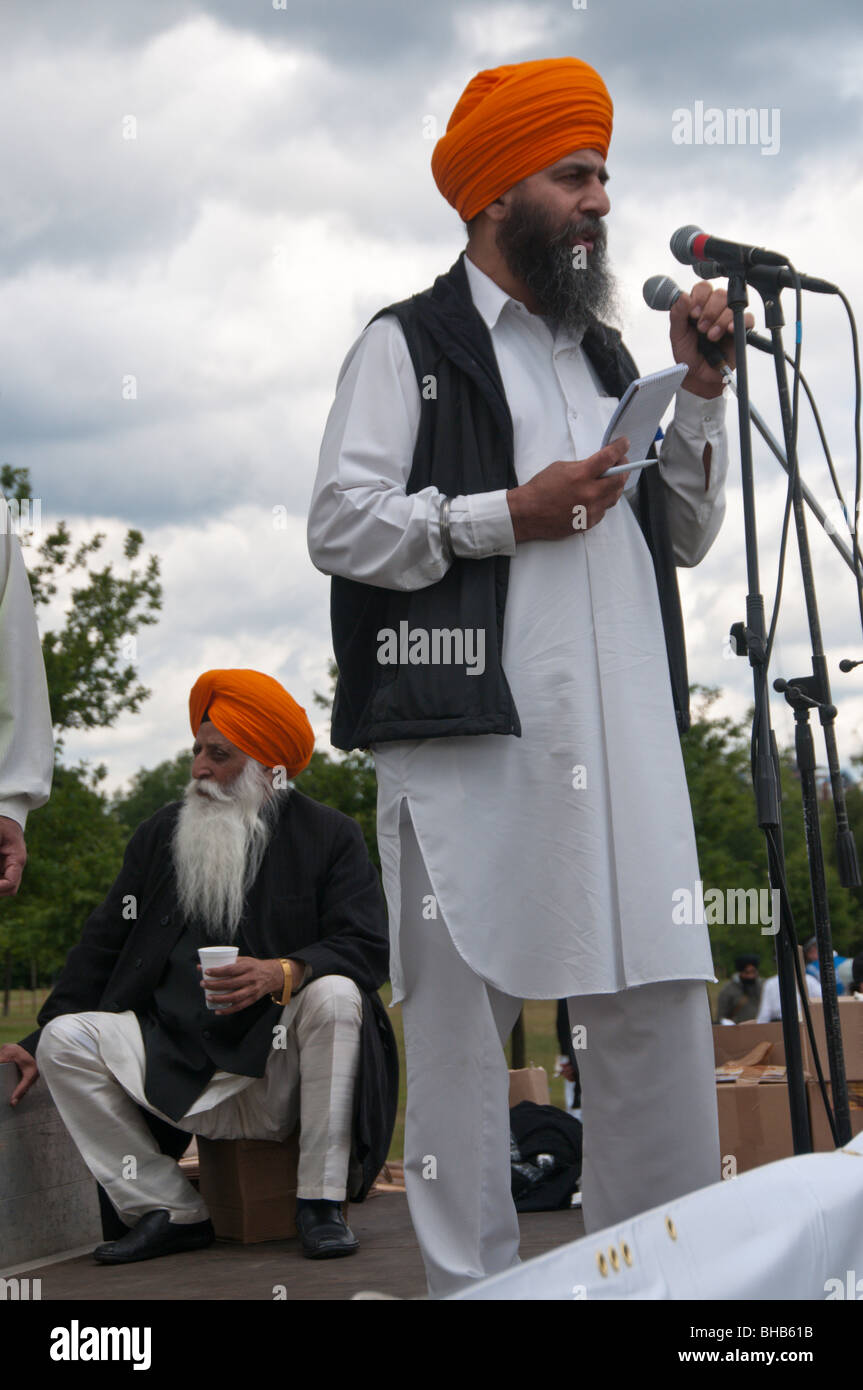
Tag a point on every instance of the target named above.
point(74, 844)
point(74, 850)
point(731, 847)
point(153, 788)
point(346, 782)
point(89, 659)
point(349, 784)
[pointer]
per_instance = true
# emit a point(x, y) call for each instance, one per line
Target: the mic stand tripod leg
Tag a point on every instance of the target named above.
point(815, 689)
point(765, 772)
point(798, 693)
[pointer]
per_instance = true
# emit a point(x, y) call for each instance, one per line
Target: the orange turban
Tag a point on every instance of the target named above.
point(257, 715)
point(512, 121)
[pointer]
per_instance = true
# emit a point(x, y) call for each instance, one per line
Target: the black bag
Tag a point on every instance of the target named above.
point(545, 1156)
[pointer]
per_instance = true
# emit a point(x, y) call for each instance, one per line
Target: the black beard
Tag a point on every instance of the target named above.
point(542, 258)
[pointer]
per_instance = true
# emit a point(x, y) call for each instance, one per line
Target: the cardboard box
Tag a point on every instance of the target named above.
point(851, 1024)
point(754, 1124)
point(822, 1139)
point(733, 1041)
point(530, 1083)
point(250, 1187)
point(754, 1115)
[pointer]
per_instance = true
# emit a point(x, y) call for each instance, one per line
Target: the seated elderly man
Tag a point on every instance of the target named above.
point(127, 1045)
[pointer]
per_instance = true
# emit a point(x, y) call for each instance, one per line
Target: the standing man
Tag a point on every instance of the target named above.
point(26, 739)
point(508, 635)
point(740, 999)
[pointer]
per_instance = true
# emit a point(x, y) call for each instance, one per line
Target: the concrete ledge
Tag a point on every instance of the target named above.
point(48, 1201)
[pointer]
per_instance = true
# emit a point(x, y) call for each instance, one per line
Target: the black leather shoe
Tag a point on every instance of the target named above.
point(155, 1234)
point(324, 1232)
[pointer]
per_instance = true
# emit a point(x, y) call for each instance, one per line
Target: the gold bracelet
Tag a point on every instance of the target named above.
point(285, 996)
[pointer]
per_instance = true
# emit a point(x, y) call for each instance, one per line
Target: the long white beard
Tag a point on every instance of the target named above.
point(218, 845)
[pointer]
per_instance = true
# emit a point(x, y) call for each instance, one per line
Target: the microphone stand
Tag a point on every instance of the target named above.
point(802, 693)
point(751, 640)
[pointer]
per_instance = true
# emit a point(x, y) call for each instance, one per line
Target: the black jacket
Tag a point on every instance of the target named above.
point(318, 899)
point(465, 445)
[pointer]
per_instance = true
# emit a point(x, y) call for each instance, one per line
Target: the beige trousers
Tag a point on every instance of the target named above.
point(93, 1064)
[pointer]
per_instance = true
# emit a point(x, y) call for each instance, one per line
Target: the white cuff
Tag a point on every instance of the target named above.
point(691, 410)
point(481, 525)
point(16, 808)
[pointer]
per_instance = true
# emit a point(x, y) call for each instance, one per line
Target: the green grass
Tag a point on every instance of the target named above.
point(21, 1019)
point(539, 1029)
point(540, 1050)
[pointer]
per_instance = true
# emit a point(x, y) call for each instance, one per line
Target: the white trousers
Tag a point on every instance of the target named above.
point(93, 1064)
point(645, 1057)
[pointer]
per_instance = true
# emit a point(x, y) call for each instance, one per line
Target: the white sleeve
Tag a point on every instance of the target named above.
point(26, 740)
point(769, 1000)
point(695, 499)
point(362, 524)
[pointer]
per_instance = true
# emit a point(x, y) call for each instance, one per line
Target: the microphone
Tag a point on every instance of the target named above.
point(767, 277)
point(689, 244)
point(660, 292)
point(846, 665)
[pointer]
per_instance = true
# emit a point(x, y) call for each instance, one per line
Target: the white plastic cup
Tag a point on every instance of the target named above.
point(211, 957)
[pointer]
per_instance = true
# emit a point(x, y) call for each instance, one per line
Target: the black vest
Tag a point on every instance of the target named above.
point(465, 445)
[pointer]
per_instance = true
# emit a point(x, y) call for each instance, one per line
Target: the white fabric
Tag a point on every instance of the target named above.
point(770, 1009)
point(26, 740)
point(791, 1230)
point(648, 1098)
point(548, 889)
point(93, 1064)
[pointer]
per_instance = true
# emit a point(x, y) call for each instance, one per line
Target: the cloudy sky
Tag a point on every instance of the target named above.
point(204, 203)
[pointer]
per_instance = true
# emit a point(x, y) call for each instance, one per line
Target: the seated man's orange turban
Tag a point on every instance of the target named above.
point(510, 122)
point(257, 715)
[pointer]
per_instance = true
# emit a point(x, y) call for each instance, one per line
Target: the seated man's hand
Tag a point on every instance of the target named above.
point(11, 1052)
point(246, 981)
point(13, 856)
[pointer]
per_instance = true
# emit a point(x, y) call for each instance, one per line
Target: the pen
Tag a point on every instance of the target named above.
point(628, 467)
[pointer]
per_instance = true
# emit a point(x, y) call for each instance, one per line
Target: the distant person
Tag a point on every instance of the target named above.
point(857, 977)
point(844, 974)
point(770, 1008)
point(26, 740)
point(813, 965)
point(740, 998)
point(295, 1031)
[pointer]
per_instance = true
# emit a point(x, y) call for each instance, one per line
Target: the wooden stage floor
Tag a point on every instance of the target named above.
point(387, 1262)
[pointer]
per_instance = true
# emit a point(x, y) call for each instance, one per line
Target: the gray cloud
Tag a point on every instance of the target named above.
point(276, 195)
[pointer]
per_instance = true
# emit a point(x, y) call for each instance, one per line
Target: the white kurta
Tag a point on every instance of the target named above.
point(554, 857)
point(26, 740)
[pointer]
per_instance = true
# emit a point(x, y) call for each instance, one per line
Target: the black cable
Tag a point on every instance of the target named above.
point(858, 564)
point(793, 463)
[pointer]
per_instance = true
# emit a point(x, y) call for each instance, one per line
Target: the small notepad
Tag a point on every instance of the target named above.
point(641, 408)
